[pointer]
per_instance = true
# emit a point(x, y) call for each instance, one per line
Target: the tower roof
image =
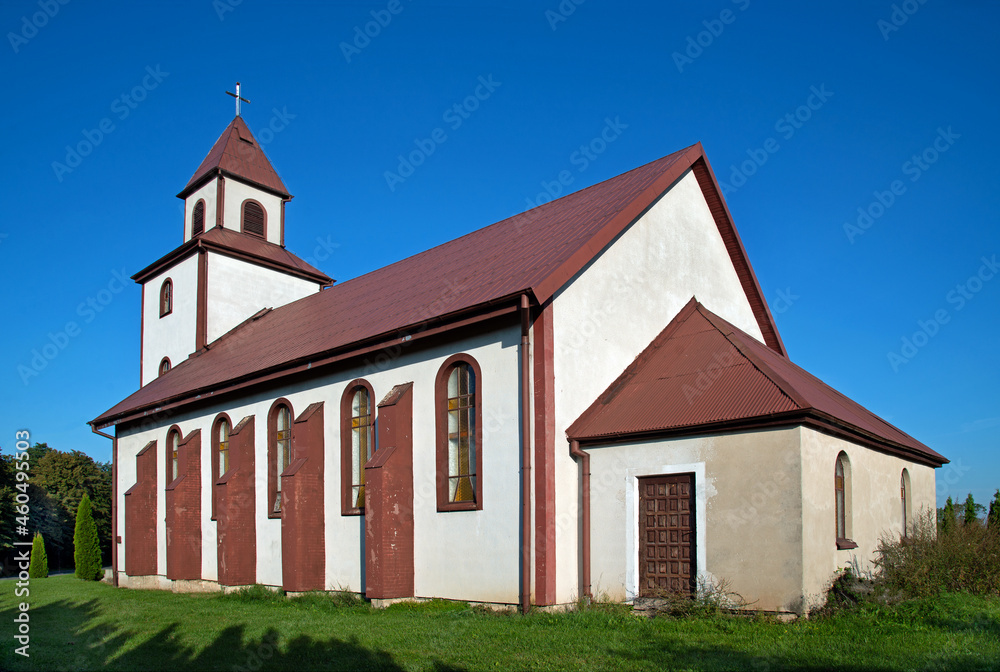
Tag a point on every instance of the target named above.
point(238, 154)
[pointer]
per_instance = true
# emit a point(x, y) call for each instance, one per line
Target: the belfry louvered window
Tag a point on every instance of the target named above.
point(253, 218)
point(198, 219)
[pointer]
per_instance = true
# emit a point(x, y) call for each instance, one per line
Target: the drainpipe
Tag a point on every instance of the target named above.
point(114, 503)
point(525, 462)
point(584, 457)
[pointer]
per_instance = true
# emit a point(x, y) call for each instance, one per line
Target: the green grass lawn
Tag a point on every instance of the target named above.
point(77, 625)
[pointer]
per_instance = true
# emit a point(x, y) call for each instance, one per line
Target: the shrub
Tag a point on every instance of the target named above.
point(39, 567)
point(959, 558)
point(993, 517)
point(86, 550)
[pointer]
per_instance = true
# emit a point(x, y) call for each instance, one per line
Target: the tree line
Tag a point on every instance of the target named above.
point(57, 483)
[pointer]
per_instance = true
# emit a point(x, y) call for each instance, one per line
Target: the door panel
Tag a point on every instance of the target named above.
point(666, 535)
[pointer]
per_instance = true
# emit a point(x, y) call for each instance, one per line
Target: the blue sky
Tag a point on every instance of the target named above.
point(856, 141)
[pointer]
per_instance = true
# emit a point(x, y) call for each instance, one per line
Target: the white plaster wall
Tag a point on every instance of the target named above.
point(236, 192)
point(747, 507)
point(615, 307)
point(207, 191)
point(875, 510)
point(173, 335)
point(238, 289)
point(467, 555)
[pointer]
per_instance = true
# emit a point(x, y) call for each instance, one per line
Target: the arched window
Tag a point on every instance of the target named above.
point(166, 297)
point(254, 219)
point(279, 451)
point(842, 493)
point(164, 365)
point(458, 398)
point(220, 452)
point(357, 443)
point(173, 459)
point(904, 497)
point(198, 218)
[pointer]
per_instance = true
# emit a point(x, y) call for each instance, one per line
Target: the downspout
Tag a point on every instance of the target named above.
point(114, 503)
point(584, 457)
point(525, 462)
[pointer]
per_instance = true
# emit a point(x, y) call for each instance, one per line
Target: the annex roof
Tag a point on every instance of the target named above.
point(536, 252)
point(240, 245)
point(701, 372)
point(238, 154)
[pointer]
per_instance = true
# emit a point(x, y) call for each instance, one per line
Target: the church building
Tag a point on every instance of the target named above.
point(590, 398)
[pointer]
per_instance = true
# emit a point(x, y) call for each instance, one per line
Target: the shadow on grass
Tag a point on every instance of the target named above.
point(68, 636)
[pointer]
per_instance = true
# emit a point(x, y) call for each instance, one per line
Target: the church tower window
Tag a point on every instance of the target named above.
point(198, 219)
point(164, 365)
point(254, 220)
point(166, 297)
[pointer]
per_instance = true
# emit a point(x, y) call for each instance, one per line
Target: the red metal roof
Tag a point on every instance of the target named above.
point(703, 371)
point(537, 251)
point(242, 245)
point(238, 153)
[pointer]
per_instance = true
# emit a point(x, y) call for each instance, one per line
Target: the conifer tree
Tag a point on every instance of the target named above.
point(993, 517)
point(86, 549)
point(39, 567)
point(972, 510)
point(947, 522)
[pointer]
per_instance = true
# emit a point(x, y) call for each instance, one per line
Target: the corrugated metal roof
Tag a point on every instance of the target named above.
point(702, 370)
point(238, 153)
point(536, 251)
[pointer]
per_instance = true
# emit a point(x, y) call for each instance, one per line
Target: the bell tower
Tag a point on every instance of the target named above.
point(232, 262)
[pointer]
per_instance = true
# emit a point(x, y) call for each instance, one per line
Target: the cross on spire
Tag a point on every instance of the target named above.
point(238, 98)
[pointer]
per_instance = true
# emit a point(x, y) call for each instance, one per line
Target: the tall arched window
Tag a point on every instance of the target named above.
point(164, 365)
point(173, 459)
point(254, 220)
point(166, 297)
point(279, 451)
point(357, 443)
point(220, 452)
point(842, 493)
point(904, 498)
point(198, 218)
point(459, 434)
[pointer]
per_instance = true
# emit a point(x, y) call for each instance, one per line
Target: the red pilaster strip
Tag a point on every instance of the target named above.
point(183, 515)
point(303, 537)
point(545, 446)
point(236, 510)
point(140, 516)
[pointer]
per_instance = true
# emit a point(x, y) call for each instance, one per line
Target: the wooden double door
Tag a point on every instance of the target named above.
point(666, 535)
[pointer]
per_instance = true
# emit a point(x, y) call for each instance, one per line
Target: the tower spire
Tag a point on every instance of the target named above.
point(238, 98)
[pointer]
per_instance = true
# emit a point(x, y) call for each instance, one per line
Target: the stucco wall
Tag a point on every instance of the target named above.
point(875, 509)
point(747, 512)
point(615, 307)
point(236, 192)
point(209, 192)
point(467, 555)
point(238, 289)
point(172, 335)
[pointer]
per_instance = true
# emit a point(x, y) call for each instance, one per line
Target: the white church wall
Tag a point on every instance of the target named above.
point(747, 504)
point(236, 192)
point(874, 512)
point(467, 555)
point(238, 289)
point(208, 192)
point(615, 307)
point(172, 335)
